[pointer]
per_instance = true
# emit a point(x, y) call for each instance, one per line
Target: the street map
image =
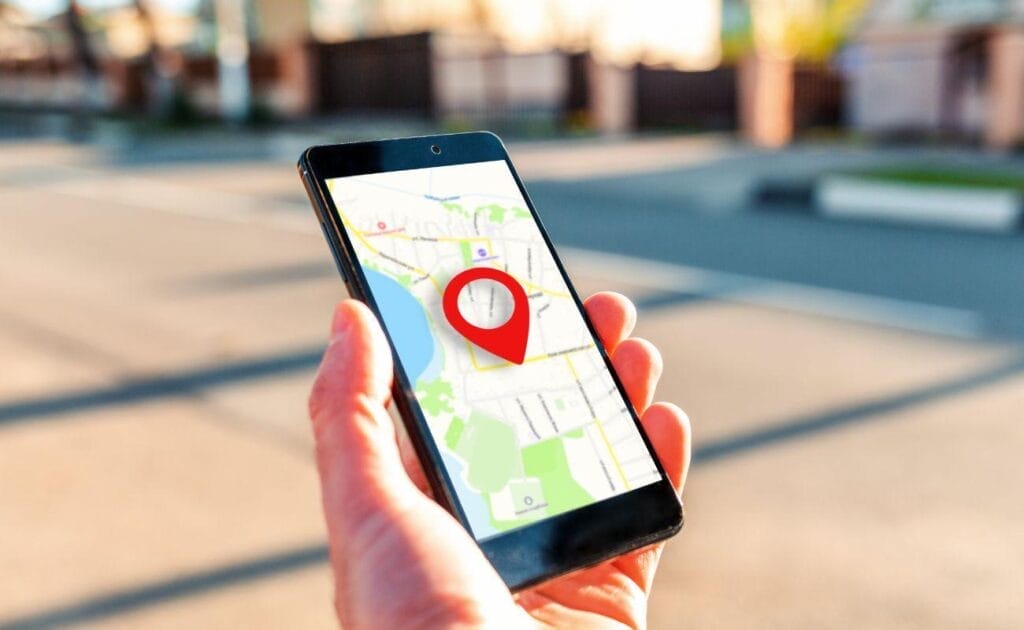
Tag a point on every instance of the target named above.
point(520, 442)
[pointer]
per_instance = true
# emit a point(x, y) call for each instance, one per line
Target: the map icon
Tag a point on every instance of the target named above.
point(507, 341)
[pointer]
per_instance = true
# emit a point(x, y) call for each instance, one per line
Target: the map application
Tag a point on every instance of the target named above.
point(508, 340)
point(520, 442)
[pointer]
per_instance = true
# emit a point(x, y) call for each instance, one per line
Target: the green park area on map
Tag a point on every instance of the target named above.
point(538, 475)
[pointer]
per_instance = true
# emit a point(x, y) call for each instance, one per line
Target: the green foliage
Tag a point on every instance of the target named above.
point(737, 31)
point(945, 176)
point(435, 397)
point(809, 31)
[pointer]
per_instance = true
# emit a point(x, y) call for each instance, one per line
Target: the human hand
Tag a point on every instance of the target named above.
point(402, 561)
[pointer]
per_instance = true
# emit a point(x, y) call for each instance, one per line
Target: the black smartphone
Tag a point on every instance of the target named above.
point(524, 431)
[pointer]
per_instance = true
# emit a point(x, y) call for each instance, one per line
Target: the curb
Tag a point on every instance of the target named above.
point(845, 197)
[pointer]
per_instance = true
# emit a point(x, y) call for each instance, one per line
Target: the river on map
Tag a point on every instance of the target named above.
point(405, 322)
point(420, 353)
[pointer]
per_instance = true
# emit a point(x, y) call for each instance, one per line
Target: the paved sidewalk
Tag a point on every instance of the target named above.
point(160, 330)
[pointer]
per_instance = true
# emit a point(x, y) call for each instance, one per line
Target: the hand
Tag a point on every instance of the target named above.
point(399, 559)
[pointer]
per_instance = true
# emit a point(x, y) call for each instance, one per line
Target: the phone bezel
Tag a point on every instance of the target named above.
point(555, 545)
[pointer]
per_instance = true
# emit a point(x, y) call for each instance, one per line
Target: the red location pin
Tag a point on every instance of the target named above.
point(508, 341)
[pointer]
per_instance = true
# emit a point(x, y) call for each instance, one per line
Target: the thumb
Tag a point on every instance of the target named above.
point(395, 553)
point(360, 467)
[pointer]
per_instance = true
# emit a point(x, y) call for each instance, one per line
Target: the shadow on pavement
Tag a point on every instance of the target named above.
point(141, 390)
point(119, 602)
point(109, 605)
point(872, 411)
point(182, 383)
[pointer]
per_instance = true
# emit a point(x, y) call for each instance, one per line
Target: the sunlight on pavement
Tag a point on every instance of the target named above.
point(154, 443)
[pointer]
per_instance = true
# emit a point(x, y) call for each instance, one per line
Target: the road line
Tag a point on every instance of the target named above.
point(788, 296)
point(615, 460)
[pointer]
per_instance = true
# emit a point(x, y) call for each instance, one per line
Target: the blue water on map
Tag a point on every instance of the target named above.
point(433, 369)
point(406, 323)
point(474, 505)
point(409, 328)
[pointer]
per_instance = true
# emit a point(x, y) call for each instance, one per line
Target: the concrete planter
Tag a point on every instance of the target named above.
point(980, 209)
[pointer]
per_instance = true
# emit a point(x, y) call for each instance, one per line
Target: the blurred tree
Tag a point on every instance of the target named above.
point(484, 20)
point(87, 61)
point(810, 30)
point(85, 54)
point(162, 67)
point(483, 15)
point(575, 29)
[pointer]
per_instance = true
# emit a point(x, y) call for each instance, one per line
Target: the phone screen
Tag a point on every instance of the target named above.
point(520, 442)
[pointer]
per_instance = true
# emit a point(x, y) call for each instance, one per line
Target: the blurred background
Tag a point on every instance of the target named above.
point(816, 205)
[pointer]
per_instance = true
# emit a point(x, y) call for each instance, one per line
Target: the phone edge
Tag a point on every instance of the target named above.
point(437, 485)
point(344, 265)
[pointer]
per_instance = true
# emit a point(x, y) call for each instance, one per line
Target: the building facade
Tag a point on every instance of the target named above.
point(946, 68)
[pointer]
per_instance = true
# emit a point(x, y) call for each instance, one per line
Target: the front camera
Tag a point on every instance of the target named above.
point(436, 150)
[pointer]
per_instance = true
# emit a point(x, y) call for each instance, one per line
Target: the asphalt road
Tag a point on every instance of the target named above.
point(633, 215)
point(856, 391)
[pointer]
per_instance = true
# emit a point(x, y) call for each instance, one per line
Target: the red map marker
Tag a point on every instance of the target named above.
point(507, 341)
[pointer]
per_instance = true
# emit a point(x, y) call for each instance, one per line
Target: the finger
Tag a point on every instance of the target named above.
point(393, 551)
point(638, 364)
point(613, 317)
point(359, 462)
point(668, 429)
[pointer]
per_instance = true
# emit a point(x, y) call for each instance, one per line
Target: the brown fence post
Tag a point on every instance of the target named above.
point(766, 100)
point(1004, 127)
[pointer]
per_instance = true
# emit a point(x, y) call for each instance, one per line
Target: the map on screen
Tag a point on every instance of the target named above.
point(520, 442)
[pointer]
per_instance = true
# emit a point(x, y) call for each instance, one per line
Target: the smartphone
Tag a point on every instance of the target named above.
point(523, 429)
